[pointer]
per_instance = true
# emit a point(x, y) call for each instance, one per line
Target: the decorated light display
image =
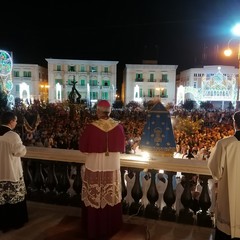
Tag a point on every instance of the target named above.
point(6, 65)
point(217, 87)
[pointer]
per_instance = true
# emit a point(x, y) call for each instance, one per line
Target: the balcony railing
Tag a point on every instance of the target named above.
point(164, 80)
point(152, 80)
point(139, 79)
point(54, 176)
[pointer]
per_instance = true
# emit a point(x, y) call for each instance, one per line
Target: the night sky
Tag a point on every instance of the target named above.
point(184, 33)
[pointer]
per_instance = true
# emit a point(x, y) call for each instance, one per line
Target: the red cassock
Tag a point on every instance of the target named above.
point(102, 141)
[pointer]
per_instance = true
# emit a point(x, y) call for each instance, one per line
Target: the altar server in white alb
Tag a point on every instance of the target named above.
point(13, 208)
point(224, 165)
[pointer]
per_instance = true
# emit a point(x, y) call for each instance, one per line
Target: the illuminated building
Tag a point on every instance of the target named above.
point(94, 79)
point(143, 82)
point(27, 82)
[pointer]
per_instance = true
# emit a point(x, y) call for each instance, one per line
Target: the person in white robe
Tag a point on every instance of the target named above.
point(13, 207)
point(224, 165)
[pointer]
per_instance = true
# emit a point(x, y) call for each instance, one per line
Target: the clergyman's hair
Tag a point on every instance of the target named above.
point(7, 117)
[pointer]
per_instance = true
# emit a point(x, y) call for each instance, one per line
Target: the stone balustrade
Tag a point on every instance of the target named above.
point(54, 176)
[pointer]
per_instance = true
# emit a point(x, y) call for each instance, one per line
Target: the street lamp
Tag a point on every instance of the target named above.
point(236, 30)
point(228, 52)
point(44, 91)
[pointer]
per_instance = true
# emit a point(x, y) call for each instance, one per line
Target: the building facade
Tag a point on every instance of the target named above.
point(95, 80)
point(216, 84)
point(143, 82)
point(30, 81)
point(92, 80)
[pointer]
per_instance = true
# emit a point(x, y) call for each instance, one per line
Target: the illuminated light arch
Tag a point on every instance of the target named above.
point(137, 97)
point(24, 92)
point(214, 88)
point(59, 92)
point(196, 93)
point(6, 65)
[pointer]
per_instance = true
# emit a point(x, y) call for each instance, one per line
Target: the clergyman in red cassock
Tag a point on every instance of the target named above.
point(103, 141)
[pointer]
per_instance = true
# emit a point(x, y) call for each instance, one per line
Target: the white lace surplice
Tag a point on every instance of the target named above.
point(102, 180)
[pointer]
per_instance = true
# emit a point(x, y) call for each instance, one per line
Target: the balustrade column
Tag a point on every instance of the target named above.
point(161, 185)
point(136, 208)
point(77, 186)
point(168, 212)
point(38, 187)
point(51, 183)
point(27, 175)
point(186, 215)
point(124, 191)
point(63, 183)
point(152, 210)
point(203, 215)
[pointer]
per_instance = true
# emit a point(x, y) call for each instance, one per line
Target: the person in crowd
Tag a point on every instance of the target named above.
point(102, 140)
point(224, 166)
point(13, 207)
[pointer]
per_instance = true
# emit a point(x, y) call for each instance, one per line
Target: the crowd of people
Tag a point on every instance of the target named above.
point(198, 133)
point(59, 126)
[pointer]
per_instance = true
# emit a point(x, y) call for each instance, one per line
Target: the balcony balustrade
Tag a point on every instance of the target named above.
point(54, 176)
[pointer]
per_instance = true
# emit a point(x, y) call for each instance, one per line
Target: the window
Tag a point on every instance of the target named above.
point(151, 77)
point(27, 74)
point(82, 82)
point(93, 83)
point(93, 68)
point(165, 78)
point(106, 69)
point(71, 68)
point(106, 83)
point(82, 68)
point(139, 77)
point(140, 92)
point(17, 88)
point(16, 73)
point(151, 93)
point(58, 67)
point(105, 95)
point(94, 95)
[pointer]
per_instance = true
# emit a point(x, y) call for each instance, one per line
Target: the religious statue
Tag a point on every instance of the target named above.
point(74, 96)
